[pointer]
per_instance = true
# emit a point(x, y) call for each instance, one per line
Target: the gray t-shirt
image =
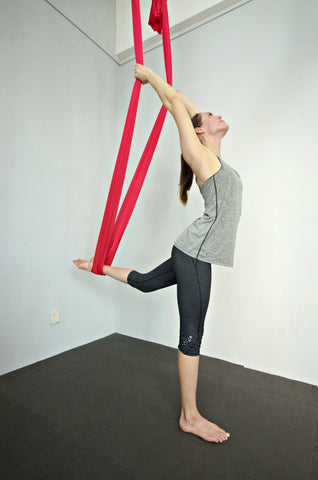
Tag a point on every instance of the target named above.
point(211, 238)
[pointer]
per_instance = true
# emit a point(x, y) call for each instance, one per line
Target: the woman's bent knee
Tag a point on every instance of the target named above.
point(139, 281)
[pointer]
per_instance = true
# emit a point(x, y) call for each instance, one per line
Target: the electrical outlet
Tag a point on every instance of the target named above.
point(54, 318)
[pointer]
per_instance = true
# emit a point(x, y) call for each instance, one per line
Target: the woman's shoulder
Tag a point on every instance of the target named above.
point(210, 165)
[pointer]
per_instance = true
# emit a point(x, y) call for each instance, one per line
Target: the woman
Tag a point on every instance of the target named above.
point(208, 240)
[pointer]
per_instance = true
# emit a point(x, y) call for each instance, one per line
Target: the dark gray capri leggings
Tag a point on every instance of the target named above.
point(193, 280)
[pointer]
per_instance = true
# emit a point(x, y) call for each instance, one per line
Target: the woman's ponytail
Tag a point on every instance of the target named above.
point(186, 173)
point(186, 179)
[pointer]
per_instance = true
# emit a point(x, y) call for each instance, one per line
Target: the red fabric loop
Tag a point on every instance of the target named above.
point(113, 225)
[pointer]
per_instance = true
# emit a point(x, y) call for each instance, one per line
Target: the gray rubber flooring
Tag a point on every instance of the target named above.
point(109, 410)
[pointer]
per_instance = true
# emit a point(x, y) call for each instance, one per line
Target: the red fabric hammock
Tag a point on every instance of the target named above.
point(113, 225)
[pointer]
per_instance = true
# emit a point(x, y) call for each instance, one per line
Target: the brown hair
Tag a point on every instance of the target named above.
point(186, 173)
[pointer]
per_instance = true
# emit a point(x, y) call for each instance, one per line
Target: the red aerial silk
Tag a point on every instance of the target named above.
point(113, 225)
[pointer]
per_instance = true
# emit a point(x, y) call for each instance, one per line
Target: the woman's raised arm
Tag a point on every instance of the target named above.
point(166, 93)
point(191, 109)
point(195, 154)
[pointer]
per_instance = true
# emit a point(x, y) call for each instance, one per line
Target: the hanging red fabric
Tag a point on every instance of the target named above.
point(155, 17)
point(113, 225)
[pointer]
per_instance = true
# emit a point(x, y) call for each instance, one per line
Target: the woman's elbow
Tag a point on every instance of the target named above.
point(174, 102)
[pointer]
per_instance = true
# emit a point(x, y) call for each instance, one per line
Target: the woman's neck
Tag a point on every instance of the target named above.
point(213, 144)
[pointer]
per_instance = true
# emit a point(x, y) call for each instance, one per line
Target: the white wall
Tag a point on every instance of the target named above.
point(257, 66)
point(96, 18)
point(56, 94)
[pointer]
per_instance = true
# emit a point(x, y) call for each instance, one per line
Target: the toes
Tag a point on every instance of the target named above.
point(216, 438)
point(223, 436)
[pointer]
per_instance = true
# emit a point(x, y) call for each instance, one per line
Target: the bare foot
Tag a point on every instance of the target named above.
point(84, 264)
point(203, 428)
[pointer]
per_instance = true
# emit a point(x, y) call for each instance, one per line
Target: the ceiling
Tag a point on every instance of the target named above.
point(108, 23)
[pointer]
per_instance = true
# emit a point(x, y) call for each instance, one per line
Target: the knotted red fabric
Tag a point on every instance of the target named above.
point(155, 17)
point(113, 225)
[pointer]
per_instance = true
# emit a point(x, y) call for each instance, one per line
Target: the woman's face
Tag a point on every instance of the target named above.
point(213, 124)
